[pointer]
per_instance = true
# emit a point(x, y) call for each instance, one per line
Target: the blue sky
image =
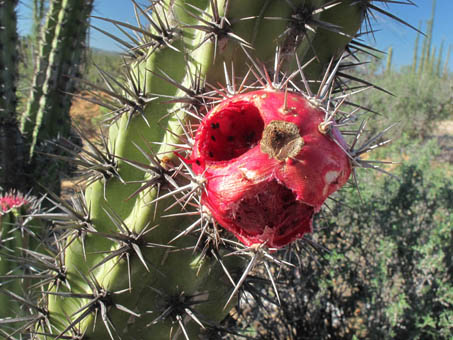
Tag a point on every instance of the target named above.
point(390, 32)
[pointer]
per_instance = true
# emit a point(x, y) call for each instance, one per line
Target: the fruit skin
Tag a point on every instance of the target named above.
point(263, 182)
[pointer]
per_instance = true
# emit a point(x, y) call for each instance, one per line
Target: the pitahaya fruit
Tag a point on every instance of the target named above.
point(268, 165)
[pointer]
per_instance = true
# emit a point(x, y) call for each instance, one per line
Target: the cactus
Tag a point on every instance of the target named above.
point(47, 114)
point(427, 56)
point(39, 7)
point(388, 64)
point(65, 56)
point(445, 67)
point(45, 46)
point(10, 137)
point(47, 111)
point(19, 234)
point(10, 210)
point(430, 62)
point(139, 255)
point(416, 48)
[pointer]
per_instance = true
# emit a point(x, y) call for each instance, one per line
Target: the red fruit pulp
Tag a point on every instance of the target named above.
point(267, 166)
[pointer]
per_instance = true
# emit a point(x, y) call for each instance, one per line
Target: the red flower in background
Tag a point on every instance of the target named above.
point(12, 200)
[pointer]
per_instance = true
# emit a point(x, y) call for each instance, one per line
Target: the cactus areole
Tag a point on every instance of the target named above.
point(268, 165)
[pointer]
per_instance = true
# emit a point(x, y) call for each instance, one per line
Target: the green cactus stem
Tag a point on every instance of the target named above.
point(39, 12)
point(415, 61)
point(10, 139)
point(47, 114)
point(18, 234)
point(388, 64)
point(8, 61)
point(28, 118)
point(447, 59)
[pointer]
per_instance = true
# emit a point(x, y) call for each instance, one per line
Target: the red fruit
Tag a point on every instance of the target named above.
point(267, 166)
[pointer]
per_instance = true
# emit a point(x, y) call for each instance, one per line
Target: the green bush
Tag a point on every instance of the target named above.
point(109, 62)
point(418, 102)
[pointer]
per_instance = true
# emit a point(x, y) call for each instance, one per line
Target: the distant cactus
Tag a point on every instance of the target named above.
point(388, 65)
point(429, 61)
point(140, 253)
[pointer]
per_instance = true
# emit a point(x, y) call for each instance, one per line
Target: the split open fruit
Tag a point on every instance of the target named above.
point(267, 165)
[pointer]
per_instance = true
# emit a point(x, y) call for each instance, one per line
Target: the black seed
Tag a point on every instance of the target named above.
point(217, 125)
point(250, 137)
point(211, 154)
point(213, 125)
point(213, 138)
point(198, 162)
point(230, 138)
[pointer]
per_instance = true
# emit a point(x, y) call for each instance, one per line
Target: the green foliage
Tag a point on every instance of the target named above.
point(108, 62)
point(417, 104)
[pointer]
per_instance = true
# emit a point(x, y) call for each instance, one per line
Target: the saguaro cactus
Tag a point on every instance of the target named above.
point(141, 254)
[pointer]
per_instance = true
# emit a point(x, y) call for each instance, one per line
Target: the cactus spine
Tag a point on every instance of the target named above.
point(138, 256)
